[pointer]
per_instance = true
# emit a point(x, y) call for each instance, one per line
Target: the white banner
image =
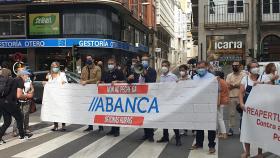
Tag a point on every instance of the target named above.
point(261, 121)
point(182, 105)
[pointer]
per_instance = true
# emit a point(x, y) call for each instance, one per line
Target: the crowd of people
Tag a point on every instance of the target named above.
point(234, 90)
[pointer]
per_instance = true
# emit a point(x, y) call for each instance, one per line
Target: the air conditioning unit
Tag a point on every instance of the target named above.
point(124, 35)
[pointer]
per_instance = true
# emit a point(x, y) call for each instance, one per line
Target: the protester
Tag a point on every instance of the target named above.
point(113, 75)
point(8, 104)
point(24, 105)
point(223, 101)
point(183, 70)
point(233, 80)
point(246, 86)
point(91, 74)
point(203, 74)
point(4, 71)
point(57, 77)
point(149, 75)
point(167, 76)
point(270, 72)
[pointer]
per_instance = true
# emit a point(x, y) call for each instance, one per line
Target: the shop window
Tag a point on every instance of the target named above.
point(12, 25)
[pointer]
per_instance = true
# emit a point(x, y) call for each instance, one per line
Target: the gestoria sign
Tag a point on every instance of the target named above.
point(44, 24)
point(225, 48)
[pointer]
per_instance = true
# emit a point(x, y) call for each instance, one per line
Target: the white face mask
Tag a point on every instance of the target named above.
point(111, 66)
point(255, 70)
point(164, 69)
point(182, 73)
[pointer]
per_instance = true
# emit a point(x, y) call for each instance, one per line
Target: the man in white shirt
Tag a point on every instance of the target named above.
point(167, 76)
point(203, 74)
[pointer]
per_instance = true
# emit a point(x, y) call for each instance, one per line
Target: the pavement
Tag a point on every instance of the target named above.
point(75, 143)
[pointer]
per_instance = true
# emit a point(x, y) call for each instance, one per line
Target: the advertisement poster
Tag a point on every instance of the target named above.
point(44, 24)
point(226, 48)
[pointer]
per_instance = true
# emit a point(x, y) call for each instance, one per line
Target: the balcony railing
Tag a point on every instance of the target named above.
point(270, 12)
point(226, 15)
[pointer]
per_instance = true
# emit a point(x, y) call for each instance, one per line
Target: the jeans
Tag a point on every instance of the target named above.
point(200, 138)
point(9, 110)
point(24, 107)
point(115, 130)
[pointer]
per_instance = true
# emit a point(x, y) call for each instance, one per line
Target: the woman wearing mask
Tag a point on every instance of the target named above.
point(183, 70)
point(247, 83)
point(57, 77)
point(24, 105)
point(270, 72)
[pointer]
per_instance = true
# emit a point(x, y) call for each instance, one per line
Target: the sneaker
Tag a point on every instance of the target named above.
point(2, 142)
point(195, 147)
point(26, 137)
point(212, 150)
point(163, 140)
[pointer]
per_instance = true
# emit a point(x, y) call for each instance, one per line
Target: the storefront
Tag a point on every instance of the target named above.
point(47, 34)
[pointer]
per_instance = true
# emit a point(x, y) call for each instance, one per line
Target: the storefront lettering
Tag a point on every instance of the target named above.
point(34, 43)
point(229, 45)
point(102, 43)
point(10, 44)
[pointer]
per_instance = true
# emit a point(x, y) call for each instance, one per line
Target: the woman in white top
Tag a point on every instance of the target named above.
point(57, 77)
point(247, 83)
point(270, 72)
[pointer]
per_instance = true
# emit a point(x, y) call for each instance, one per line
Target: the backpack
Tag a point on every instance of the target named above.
point(4, 86)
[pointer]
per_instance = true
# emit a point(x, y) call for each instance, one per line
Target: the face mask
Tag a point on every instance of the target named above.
point(235, 69)
point(111, 67)
point(89, 62)
point(145, 64)
point(182, 73)
point(55, 69)
point(164, 69)
point(201, 72)
point(255, 70)
point(27, 80)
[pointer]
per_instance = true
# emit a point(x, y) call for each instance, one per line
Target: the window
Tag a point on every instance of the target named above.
point(231, 6)
point(275, 6)
point(266, 6)
point(12, 25)
point(212, 7)
point(100, 23)
point(239, 6)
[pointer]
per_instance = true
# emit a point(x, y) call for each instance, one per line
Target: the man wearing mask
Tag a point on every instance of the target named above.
point(233, 80)
point(113, 75)
point(149, 76)
point(167, 76)
point(91, 74)
point(203, 74)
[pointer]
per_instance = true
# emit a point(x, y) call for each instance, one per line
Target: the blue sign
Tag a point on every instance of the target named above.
point(69, 42)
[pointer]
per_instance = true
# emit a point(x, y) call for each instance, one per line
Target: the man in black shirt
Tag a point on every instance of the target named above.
point(113, 75)
point(9, 107)
point(149, 76)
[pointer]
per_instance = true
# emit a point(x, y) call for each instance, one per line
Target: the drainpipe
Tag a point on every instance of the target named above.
point(259, 20)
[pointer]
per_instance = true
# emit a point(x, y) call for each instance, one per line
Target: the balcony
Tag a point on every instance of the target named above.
point(226, 16)
point(270, 13)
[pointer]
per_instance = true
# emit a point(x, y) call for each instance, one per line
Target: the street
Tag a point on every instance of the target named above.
point(76, 143)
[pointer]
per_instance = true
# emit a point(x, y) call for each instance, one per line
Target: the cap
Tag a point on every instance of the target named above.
point(23, 72)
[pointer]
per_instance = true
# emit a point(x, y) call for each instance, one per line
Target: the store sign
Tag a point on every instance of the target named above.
point(69, 42)
point(44, 24)
point(226, 48)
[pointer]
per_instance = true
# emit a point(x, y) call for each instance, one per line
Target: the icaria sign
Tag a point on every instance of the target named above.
point(229, 45)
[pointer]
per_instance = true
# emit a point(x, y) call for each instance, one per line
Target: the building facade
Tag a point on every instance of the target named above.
point(55, 30)
point(230, 30)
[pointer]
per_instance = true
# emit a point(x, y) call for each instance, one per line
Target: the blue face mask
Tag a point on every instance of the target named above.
point(55, 69)
point(89, 62)
point(201, 72)
point(145, 64)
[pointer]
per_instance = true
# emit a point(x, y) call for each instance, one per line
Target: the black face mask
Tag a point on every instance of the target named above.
point(235, 68)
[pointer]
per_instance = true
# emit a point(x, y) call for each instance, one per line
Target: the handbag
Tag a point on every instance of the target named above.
point(239, 109)
point(32, 107)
